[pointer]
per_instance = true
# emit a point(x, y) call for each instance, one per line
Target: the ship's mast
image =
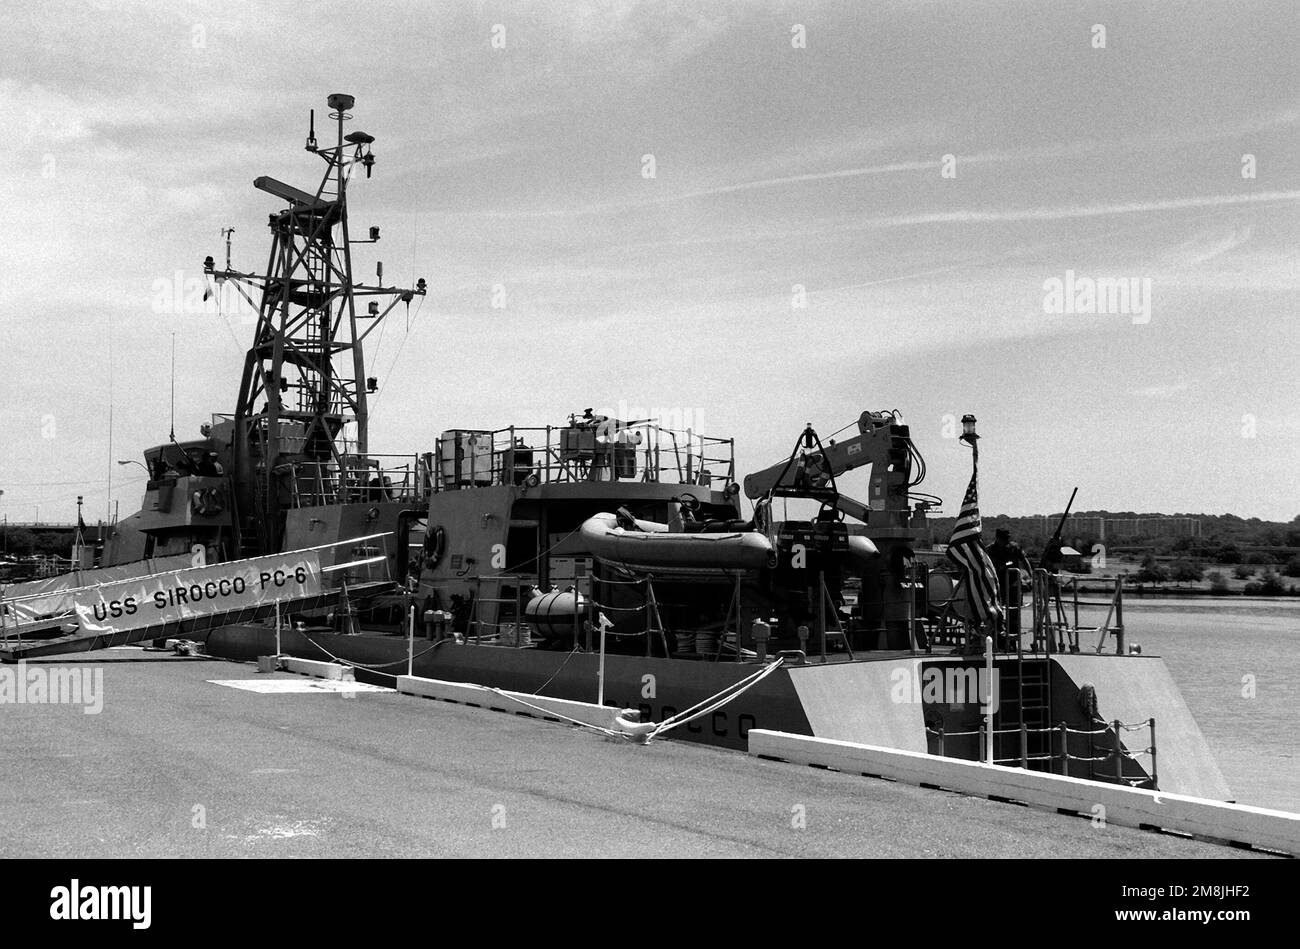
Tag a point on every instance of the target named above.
point(304, 378)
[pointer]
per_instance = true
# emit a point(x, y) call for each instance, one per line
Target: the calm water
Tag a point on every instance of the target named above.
point(1210, 647)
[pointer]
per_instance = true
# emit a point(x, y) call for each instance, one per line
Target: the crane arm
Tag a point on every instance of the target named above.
point(881, 442)
point(853, 508)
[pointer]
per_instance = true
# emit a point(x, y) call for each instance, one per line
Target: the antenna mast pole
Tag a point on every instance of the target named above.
point(304, 377)
point(108, 503)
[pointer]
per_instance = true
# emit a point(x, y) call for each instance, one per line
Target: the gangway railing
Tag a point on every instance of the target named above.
point(219, 588)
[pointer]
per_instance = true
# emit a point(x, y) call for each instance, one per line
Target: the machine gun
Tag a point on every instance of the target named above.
point(1051, 559)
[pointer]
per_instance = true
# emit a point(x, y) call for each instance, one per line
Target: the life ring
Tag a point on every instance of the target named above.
point(207, 502)
point(435, 545)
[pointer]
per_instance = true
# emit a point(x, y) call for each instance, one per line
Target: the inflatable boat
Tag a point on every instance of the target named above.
point(668, 552)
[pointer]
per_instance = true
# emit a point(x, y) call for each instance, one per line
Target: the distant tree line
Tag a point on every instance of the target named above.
point(1247, 547)
point(22, 542)
point(1224, 538)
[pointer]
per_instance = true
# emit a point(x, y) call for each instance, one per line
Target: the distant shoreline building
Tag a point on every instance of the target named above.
point(1119, 527)
point(1089, 529)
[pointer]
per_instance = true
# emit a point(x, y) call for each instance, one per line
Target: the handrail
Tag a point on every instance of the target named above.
point(1051, 633)
point(1117, 753)
point(517, 455)
point(582, 451)
point(1048, 592)
point(360, 479)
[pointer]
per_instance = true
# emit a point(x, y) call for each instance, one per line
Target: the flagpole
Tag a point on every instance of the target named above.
point(988, 704)
point(970, 437)
point(966, 547)
point(410, 644)
point(600, 674)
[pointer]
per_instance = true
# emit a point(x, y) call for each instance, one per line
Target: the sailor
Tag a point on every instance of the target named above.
point(1006, 555)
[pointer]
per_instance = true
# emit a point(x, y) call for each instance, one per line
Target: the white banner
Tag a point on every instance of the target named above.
point(198, 591)
point(34, 599)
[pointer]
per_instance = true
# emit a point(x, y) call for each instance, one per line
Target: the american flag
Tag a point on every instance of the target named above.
point(967, 550)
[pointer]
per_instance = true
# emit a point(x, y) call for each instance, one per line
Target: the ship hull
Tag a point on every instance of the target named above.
point(658, 688)
point(874, 700)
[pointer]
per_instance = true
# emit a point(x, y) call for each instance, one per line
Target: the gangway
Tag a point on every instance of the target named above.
point(197, 599)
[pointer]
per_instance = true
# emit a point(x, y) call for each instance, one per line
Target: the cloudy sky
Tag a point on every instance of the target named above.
point(1170, 155)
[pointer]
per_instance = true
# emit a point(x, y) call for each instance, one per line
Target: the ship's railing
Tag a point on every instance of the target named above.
point(704, 642)
point(52, 565)
point(362, 479)
point(508, 626)
point(1056, 615)
point(640, 451)
point(1057, 618)
point(1106, 755)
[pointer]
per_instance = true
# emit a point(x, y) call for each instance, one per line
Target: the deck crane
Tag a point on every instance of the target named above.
point(879, 553)
point(883, 442)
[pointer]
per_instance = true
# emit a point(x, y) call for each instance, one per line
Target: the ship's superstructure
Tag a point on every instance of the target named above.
point(621, 503)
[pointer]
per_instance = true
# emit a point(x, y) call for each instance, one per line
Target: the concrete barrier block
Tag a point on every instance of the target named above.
point(505, 701)
point(1132, 807)
point(321, 670)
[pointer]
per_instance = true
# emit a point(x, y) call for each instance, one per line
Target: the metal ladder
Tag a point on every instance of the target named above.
point(838, 632)
point(1032, 708)
point(249, 522)
point(475, 629)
